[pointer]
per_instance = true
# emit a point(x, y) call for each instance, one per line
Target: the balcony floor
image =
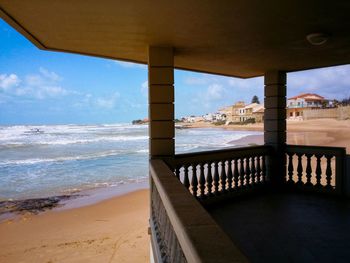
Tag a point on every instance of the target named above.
point(288, 227)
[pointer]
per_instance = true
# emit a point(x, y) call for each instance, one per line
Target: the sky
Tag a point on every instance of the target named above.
point(45, 87)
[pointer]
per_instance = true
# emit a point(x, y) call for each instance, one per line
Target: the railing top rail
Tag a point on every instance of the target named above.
point(193, 226)
point(337, 151)
point(205, 156)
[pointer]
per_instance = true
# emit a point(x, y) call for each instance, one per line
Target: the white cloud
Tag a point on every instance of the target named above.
point(42, 92)
point(215, 92)
point(42, 85)
point(49, 75)
point(332, 83)
point(8, 81)
point(125, 64)
point(34, 80)
point(200, 80)
point(107, 102)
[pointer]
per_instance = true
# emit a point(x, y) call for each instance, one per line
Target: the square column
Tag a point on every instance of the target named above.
point(161, 102)
point(275, 123)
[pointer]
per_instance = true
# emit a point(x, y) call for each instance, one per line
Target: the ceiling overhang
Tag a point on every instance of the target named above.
point(228, 37)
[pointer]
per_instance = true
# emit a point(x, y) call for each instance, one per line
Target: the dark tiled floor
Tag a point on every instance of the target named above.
point(288, 227)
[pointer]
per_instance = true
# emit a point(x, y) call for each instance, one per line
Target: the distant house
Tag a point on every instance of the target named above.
point(258, 113)
point(252, 111)
point(297, 104)
point(209, 117)
point(192, 119)
point(213, 117)
point(239, 112)
point(233, 112)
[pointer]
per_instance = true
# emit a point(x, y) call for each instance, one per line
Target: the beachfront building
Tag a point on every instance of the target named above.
point(252, 111)
point(232, 112)
point(269, 203)
point(192, 119)
point(214, 117)
point(298, 104)
point(240, 112)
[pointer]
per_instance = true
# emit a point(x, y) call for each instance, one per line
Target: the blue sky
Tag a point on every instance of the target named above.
point(42, 87)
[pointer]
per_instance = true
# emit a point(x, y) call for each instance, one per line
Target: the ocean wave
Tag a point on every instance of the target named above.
point(142, 151)
point(62, 159)
point(61, 134)
point(51, 140)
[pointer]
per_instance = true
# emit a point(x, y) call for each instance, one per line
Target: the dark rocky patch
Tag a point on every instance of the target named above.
point(34, 205)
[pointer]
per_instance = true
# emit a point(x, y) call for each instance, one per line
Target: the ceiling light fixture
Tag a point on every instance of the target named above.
point(317, 39)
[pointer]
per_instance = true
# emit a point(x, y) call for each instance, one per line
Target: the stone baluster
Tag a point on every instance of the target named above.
point(235, 173)
point(258, 169)
point(209, 179)
point(308, 169)
point(247, 172)
point(329, 171)
point(194, 181)
point(201, 180)
point(318, 170)
point(229, 174)
point(241, 172)
point(216, 177)
point(223, 176)
point(300, 169)
point(253, 171)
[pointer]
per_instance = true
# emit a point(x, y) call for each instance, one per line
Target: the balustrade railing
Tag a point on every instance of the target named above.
point(207, 174)
point(181, 229)
point(316, 167)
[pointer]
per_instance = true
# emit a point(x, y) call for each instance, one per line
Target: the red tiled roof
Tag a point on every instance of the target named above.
point(306, 95)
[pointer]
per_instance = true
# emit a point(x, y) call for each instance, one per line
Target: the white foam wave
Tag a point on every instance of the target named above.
point(68, 134)
point(50, 140)
point(142, 151)
point(61, 159)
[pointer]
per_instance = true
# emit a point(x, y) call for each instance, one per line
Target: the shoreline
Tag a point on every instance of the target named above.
point(326, 132)
point(12, 209)
point(109, 224)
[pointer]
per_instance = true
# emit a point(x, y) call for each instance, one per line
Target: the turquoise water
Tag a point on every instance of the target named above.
point(40, 161)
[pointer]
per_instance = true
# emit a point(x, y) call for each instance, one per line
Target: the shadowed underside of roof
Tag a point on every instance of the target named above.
point(229, 37)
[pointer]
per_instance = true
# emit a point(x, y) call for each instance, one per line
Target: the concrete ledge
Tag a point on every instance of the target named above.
point(201, 239)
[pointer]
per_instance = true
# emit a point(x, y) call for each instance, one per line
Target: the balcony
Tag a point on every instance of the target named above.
point(223, 206)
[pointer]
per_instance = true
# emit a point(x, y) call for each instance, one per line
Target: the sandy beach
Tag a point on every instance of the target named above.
point(115, 230)
point(321, 132)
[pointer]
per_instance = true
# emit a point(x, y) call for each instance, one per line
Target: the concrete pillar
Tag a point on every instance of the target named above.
point(275, 123)
point(161, 102)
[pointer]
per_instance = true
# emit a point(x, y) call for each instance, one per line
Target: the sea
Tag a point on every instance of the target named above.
point(39, 161)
